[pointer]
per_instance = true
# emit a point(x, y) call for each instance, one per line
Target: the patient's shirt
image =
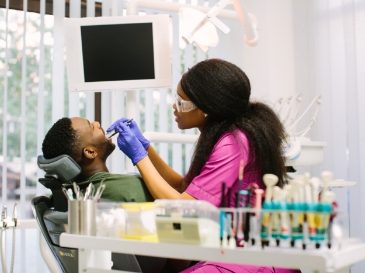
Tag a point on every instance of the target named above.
point(223, 166)
point(120, 187)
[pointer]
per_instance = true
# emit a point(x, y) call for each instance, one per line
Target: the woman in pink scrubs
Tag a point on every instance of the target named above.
point(213, 96)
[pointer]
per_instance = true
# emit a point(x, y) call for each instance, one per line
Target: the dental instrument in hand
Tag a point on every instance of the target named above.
point(114, 132)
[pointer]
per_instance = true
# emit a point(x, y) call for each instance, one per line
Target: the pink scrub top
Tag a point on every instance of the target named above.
point(223, 166)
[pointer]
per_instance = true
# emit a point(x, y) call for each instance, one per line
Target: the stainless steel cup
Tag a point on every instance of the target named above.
point(87, 217)
point(73, 216)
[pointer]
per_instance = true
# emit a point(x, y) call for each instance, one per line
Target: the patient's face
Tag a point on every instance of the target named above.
point(93, 134)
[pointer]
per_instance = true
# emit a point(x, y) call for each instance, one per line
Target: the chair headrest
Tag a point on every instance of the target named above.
point(63, 167)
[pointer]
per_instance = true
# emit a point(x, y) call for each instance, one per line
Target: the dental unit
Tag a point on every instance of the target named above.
point(6, 223)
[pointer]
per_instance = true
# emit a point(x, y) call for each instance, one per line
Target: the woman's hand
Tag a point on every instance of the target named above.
point(134, 128)
point(129, 144)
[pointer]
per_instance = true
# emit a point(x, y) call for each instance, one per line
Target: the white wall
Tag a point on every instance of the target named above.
point(271, 65)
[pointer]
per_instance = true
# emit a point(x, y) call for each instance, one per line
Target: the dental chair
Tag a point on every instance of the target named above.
point(52, 217)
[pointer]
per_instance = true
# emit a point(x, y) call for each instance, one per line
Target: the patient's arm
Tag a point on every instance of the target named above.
point(168, 174)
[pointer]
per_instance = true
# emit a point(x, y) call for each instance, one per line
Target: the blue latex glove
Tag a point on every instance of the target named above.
point(129, 144)
point(134, 127)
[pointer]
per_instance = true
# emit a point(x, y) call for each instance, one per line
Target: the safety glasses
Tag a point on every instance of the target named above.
point(183, 105)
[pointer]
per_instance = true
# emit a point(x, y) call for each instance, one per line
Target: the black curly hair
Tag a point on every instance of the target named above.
point(62, 139)
point(222, 90)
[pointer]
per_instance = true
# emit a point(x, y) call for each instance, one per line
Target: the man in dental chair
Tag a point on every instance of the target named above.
point(86, 143)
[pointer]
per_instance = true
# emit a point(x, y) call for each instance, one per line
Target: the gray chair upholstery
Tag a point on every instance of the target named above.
point(52, 216)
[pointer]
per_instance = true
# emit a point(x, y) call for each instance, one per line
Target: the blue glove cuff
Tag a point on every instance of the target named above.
point(139, 156)
point(145, 143)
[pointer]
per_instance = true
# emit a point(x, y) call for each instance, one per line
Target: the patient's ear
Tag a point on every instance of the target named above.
point(90, 152)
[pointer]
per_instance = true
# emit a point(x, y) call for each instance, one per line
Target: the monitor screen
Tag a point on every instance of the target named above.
point(104, 49)
point(109, 53)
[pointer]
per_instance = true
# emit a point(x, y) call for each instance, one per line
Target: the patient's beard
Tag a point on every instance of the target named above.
point(106, 148)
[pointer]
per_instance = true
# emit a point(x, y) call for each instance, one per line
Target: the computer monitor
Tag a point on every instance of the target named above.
point(118, 53)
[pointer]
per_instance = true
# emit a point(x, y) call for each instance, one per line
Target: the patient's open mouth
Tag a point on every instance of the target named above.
point(111, 133)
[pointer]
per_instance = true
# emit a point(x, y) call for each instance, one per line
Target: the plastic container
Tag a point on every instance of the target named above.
point(140, 221)
point(110, 220)
point(187, 222)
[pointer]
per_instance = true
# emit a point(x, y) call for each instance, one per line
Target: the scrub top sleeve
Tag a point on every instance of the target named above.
point(222, 166)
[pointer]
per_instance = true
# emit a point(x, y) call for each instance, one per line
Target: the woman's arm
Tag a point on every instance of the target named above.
point(166, 185)
point(156, 184)
point(167, 173)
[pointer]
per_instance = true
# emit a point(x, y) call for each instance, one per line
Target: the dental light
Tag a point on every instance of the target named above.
point(196, 28)
point(200, 28)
